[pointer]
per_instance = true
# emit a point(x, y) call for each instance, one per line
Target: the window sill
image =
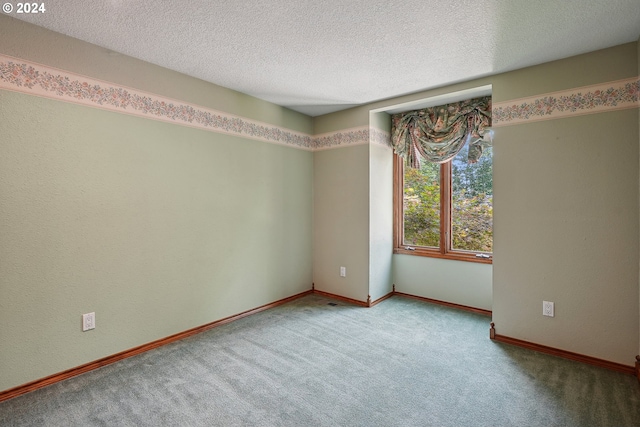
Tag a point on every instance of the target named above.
point(456, 256)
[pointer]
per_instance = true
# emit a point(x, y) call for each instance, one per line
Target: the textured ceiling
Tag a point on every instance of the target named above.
point(322, 56)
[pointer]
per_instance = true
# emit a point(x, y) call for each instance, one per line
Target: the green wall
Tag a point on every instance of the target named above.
point(155, 227)
point(380, 220)
point(566, 215)
point(341, 221)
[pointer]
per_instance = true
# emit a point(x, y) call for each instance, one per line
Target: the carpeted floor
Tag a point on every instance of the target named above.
point(308, 363)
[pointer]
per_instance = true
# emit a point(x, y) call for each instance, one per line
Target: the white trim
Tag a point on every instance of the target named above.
point(433, 101)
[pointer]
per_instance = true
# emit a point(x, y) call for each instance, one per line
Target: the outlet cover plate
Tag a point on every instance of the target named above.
point(548, 308)
point(88, 321)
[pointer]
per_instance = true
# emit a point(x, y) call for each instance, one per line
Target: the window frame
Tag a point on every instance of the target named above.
point(445, 251)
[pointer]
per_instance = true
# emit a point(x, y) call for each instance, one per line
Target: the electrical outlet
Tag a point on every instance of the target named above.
point(343, 271)
point(547, 308)
point(88, 321)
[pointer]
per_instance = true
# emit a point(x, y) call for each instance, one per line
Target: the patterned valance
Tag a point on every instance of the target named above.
point(437, 134)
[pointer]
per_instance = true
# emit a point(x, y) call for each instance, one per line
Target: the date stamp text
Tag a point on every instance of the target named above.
point(24, 8)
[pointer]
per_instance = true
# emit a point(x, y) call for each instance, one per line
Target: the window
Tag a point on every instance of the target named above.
point(445, 210)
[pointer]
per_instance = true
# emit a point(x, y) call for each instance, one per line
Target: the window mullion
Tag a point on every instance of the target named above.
point(443, 211)
point(445, 208)
point(398, 199)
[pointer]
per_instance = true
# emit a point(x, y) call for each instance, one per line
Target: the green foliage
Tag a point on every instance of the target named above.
point(472, 204)
point(472, 222)
point(422, 205)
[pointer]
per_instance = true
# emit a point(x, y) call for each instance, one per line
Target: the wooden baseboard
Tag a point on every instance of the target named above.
point(341, 298)
point(379, 300)
point(367, 303)
point(61, 376)
point(446, 304)
point(638, 367)
point(619, 367)
point(370, 303)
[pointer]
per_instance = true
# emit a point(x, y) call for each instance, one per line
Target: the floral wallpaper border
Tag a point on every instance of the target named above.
point(341, 138)
point(22, 76)
point(349, 137)
point(381, 137)
point(617, 95)
point(25, 77)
